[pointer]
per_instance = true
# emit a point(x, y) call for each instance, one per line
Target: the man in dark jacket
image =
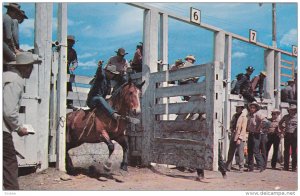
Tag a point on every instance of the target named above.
point(243, 86)
point(72, 64)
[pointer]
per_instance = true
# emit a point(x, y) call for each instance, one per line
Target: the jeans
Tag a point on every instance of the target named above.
point(290, 141)
point(263, 148)
point(101, 104)
point(239, 148)
point(253, 150)
point(273, 139)
point(10, 163)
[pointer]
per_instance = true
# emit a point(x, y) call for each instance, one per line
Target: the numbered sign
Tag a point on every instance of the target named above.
point(195, 15)
point(252, 36)
point(295, 50)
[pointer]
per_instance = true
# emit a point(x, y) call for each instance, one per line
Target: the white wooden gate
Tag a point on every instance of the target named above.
point(184, 142)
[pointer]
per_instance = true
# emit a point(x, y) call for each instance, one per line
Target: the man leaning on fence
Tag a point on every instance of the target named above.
point(238, 126)
point(13, 85)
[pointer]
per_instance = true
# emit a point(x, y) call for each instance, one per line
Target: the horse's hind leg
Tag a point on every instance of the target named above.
point(123, 141)
point(107, 140)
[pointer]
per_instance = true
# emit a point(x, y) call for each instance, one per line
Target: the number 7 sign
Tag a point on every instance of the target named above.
point(252, 36)
point(195, 15)
point(295, 50)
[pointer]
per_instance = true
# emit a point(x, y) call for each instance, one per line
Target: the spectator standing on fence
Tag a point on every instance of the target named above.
point(243, 86)
point(72, 64)
point(137, 62)
point(238, 126)
point(20, 18)
point(257, 84)
point(288, 124)
point(255, 118)
point(13, 86)
point(121, 65)
point(287, 93)
point(273, 136)
point(9, 46)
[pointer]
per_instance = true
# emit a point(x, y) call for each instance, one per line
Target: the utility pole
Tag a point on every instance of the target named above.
point(274, 25)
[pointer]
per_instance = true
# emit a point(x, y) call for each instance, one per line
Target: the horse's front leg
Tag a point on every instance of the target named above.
point(107, 140)
point(123, 141)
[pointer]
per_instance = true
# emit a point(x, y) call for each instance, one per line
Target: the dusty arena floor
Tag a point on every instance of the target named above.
point(160, 177)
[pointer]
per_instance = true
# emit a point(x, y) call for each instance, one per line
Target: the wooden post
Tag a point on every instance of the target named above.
point(164, 40)
point(277, 80)
point(269, 81)
point(42, 43)
point(150, 57)
point(62, 86)
point(227, 105)
point(215, 93)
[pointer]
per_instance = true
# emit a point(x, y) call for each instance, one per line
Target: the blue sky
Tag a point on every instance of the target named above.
point(101, 28)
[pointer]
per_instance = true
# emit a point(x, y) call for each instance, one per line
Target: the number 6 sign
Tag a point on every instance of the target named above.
point(252, 36)
point(195, 15)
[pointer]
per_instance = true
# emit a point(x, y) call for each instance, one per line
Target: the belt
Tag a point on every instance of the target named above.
point(253, 133)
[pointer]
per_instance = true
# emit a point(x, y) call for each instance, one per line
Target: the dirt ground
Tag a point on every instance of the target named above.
point(158, 178)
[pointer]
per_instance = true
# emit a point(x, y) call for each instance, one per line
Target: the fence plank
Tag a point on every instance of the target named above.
point(180, 108)
point(180, 126)
point(187, 90)
point(77, 96)
point(81, 79)
point(188, 72)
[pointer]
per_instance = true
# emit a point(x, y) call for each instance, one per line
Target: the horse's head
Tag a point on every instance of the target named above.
point(128, 98)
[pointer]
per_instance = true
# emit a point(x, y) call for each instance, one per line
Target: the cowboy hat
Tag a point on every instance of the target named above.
point(292, 107)
point(112, 69)
point(25, 58)
point(121, 51)
point(240, 104)
point(290, 81)
point(71, 37)
point(255, 104)
point(263, 73)
point(275, 111)
point(190, 57)
point(15, 6)
point(250, 68)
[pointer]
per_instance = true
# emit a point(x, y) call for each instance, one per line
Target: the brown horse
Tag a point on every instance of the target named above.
point(93, 126)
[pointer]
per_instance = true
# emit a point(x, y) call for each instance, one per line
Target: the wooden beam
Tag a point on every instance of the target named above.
point(187, 90)
point(61, 86)
point(180, 108)
point(80, 79)
point(288, 62)
point(277, 79)
point(286, 67)
point(286, 75)
point(43, 41)
point(187, 72)
point(77, 96)
point(207, 26)
point(269, 67)
point(186, 126)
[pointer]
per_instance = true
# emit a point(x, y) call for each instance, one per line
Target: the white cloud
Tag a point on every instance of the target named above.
point(289, 38)
point(239, 55)
point(87, 54)
point(91, 63)
point(26, 47)
point(27, 27)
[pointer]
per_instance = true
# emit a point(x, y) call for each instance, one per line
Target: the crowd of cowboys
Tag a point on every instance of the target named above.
point(263, 132)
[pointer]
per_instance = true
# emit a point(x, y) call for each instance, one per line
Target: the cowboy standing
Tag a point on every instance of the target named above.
point(258, 82)
point(238, 126)
point(72, 64)
point(255, 118)
point(138, 58)
point(13, 84)
point(9, 46)
point(243, 86)
point(100, 88)
point(288, 124)
point(273, 136)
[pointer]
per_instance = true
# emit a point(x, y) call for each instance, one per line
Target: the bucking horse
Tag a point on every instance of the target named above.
point(93, 126)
